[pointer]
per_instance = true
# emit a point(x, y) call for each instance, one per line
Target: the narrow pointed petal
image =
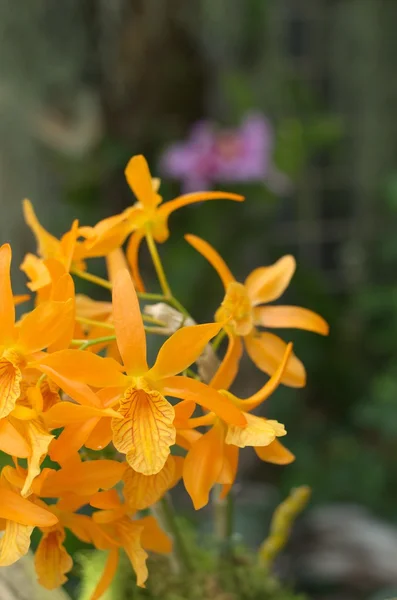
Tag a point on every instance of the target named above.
point(10, 389)
point(270, 386)
point(130, 536)
point(108, 574)
point(266, 352)
point(115, 262)
point(275, 453)
point(12, 442)
point(51, 559)
point(14, 543)
point(127, 318)
point(140, 181)
point(80, 392)
point(258, 432)
point(191, 389)
point(7, 309)
point(141, 491)
point(146, 432)
point(68, 413)
point(266, 284)
point(153, 538)
point(47, 244)
point(227, 371)
point(182, 349)
point(68, 244)
point(39, 441)
point(72, 438)
point(44, 325)
point(15, 508)
point(85, 367)
point(133, 246)
point(169, 207)
point(92, 309)
point(213, 258)
point(203, 465)
point(290, 316)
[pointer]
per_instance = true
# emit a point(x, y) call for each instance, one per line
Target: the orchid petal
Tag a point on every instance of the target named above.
point(213, 258)
point(130, 332)
point(290, 316)
point(266, 284)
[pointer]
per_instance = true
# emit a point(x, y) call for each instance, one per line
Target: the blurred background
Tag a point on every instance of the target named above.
point(310, 87)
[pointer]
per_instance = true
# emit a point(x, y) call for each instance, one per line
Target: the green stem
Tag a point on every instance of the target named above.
point(218, 339)
point(223, 519)
point(158, 265)
point(87, 343)
point(167, 515)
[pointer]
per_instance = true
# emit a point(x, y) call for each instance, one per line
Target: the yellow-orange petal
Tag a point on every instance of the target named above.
point(140, 181)
point(200, 393)
point(182, 349)
point(44, 325)
point(51, 559)
point(67, 413)
point(203, 465)
point(229, 469)
point(12, 442)
point(129, 533)
point(275, 453)
point(270, 386)
point(39, 440)
point(7, 309)
point(134, 243)
point(15, 508)
point(185, 438)
point(115, 261)
point(80, 392)
point(36, 270)
point(141, 491)
point(100, 436)
point(109, 573)
point(72, 438)
point(10, 388)
point(228, 368)
point(106, 500)
point(258, 432)
point(84, 479)
point(47, 245)
point(68, 245)
point(14, 543)
point(146, 432)
point(266, 284)
point(88, 308)
point(127, 318)
point(153, 538)
point(213, 257)
point(266, 351)
point(84, 367)
point(169, 207)
point(183, 412)
point(290, 316)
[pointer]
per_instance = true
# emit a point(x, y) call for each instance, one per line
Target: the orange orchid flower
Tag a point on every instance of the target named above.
point(145, 432)
point(20, 343)
point(18, 517)
point(55, 256)
point(149, 215)
point(243, 305)
point(134, 536)
point(213, 457)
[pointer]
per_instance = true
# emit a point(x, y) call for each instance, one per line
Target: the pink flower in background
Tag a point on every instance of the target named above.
point(210, 155)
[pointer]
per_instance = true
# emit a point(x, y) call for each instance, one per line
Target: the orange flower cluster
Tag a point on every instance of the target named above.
point(75, 386)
